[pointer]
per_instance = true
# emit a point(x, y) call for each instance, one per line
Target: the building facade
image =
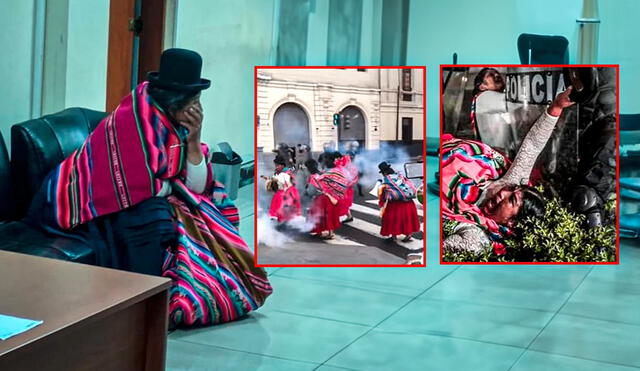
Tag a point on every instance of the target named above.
point(297, 106)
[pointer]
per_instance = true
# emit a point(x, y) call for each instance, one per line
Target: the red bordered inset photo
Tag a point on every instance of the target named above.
point(340, 166)
point(529, 164)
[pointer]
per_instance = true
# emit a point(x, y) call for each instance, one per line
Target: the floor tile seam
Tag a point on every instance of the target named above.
point(322, 318)
point(489, 305)
point(593, 268)
point(399, 332)
point(582, 358)
point(596, 270)
point(337, 284)
point(340, 367)
point(244, 351)
point(600, 319)
point(389, 316)
point(273, 272)
point(627, 280)
point(551, 319)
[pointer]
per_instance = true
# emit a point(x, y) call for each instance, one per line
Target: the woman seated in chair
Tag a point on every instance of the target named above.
point(149, 149)
point(484, 194)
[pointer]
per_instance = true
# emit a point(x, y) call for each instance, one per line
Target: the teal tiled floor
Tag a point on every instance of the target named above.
point(591, 339)
point(516, 318)
point(443, 317)
point(244, 203)
point(536, 361)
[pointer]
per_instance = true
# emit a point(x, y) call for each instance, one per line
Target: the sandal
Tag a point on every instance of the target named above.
point(330, 236)
point(414, 259)
point(407, 238)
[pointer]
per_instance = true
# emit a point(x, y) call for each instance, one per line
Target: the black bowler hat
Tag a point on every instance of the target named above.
point(179, 70)
point(385, 167)
point(279, 160)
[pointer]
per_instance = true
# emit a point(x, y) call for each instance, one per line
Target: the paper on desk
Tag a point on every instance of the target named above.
point(10, 326)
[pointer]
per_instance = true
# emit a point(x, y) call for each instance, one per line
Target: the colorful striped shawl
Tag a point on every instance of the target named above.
point(398, 188)
point(332, 182)
point(468, 166)
point(124, 161)
point(120, 164)
point(348, 169)
point(314, 180)
point(472, 115)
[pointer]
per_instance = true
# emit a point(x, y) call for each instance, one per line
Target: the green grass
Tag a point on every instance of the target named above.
point(559, 236)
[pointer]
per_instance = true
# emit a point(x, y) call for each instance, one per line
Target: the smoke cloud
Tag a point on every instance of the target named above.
point(270, 234)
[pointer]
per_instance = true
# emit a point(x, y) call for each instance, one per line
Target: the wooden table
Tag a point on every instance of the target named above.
point(94, 318)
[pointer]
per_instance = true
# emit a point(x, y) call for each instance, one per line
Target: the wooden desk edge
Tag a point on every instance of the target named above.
point(95, 316)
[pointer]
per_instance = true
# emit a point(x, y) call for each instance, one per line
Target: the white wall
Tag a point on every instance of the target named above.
point(337, 76)
point(87, 46)
point(235, 36)
point(390, 121)
point(16, 35)
point(232, 37)
point(319, 100)
point(487, 31)
point(86, 60)
point(619, 32)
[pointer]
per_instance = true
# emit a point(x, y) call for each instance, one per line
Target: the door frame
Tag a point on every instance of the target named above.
point(364, 118)
point(150, 44)
point(304, 110)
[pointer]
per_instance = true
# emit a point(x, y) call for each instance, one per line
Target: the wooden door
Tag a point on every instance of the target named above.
point(124, 40)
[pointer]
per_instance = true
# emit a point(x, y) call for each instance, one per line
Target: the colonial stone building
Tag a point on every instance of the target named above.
point(297, 106)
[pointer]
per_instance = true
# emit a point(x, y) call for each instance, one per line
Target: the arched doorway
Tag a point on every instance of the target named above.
point(291, 126)
point(353, 127)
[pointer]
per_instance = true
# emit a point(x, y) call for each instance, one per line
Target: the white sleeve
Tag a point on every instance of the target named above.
point(529, 151)
point(467, 237)
point(165, 190)
point(284, 180)
point(197, 176)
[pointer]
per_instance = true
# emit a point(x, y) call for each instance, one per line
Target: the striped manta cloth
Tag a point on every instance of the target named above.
point(348, 169)
point(467, 166)
point(333, 182)
point(398, 188)
point(124, 162)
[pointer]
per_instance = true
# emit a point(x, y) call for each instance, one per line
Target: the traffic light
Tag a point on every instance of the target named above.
point(337, 119)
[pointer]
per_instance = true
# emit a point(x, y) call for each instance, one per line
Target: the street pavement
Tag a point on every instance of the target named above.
point(356, 242)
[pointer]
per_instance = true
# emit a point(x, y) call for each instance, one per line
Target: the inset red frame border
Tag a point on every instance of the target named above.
point(255, 174)
point(617, 67)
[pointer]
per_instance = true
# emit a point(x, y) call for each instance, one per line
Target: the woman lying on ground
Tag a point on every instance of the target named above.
point(484, 194)
point(145, 161)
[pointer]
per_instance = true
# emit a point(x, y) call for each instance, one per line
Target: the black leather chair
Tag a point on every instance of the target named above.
point(543, 49)
point(5, 183)
point(629, 182)
point(37, 146)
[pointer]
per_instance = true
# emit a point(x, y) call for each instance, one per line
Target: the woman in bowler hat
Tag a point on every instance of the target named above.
point(149, 148)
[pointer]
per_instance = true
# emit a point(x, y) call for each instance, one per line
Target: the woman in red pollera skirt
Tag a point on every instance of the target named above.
point(395, 197)
point(350, 171)
point(323, 213)
point(285, 204)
